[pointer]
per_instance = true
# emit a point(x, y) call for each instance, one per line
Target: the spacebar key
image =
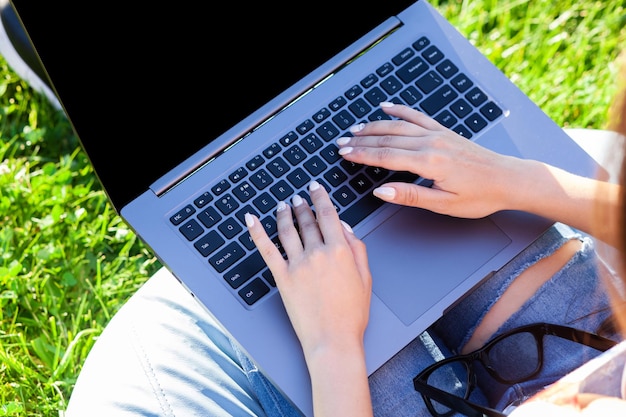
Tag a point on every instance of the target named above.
point(363, 208)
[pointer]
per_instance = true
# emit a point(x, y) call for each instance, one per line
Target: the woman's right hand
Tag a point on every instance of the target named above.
point(468, 179)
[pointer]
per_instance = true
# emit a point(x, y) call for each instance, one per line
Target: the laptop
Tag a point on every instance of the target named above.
point(191, 117)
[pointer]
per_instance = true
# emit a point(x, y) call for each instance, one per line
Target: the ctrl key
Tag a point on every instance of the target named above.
point(252, 292)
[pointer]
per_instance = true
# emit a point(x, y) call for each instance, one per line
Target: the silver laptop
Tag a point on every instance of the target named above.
point(193, 117)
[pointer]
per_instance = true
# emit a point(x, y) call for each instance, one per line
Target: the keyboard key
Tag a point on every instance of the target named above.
point(272, 150)
point(432, 54)
point(245, 270)
point(261, 179)
point(289, 138)
point(438, 100)
point(305, 126)
point(227, 256)
point(327, 131)
point(252, 292)
point(244, 192)
point(264, 203)
point(462, 131)
point(344, 120)
point(278, 167)
point(413, 69)
point(281, 190)
point(344, 196)
point(359, 108)
point(447, 68)
point(421, 43)
point(298, 178)
point(203, 200)
point(209, 243)
point(239, 174)
point(191, 229)
point(491, 111)
point(227, 204)
point(353, 92)
point(294, 155)
point(476, 122)
point(337, 103)
point(461, 83)
point(209, 217)
point(182, 215)
point(255, 162)
point(220, 187)
point(230, 228)
point(403, 56)
point(476, 96)
point(315, 166)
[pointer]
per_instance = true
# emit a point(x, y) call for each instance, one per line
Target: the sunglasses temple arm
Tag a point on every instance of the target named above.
point(580, 336)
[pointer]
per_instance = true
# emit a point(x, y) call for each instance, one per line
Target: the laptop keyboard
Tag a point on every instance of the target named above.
point(213, 223)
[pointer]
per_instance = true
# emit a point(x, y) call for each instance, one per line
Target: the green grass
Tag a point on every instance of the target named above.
point(67, 261)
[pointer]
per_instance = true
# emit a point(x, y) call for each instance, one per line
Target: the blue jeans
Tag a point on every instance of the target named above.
point(164, 355)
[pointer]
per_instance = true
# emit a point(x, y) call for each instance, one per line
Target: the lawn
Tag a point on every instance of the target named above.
point(68, 262)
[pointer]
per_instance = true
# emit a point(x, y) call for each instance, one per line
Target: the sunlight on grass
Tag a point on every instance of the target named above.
point(68, 262)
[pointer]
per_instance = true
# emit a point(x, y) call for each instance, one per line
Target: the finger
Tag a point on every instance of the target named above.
point(410, 122)
point(307, 224)
point(270, 253)
point(389, 158)
point(413, 142)
point(359, 252)
point(411, 115)
point(413, 195)
point(327, 217)
point(287, 233)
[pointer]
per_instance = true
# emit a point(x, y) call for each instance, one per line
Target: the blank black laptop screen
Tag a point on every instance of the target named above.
point(147, 86)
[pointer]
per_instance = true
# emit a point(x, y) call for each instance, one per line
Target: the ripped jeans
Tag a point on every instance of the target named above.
point(162, 355)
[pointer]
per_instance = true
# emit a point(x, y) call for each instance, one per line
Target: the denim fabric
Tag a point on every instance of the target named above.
point(163, 355)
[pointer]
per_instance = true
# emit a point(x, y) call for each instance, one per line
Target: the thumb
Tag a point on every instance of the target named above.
point(359, 251)
point(412, 195)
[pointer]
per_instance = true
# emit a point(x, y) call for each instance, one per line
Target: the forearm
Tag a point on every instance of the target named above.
point(586, 204)
point(339, 382)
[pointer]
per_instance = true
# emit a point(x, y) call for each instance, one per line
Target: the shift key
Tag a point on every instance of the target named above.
point(245, 270)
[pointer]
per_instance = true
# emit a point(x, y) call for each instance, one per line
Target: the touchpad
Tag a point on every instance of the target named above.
point(417, 257)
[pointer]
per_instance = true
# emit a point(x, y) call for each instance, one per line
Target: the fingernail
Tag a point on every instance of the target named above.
point(343, 141)
point(386, 193)
point(249, 219)
point(357, 128)
point(296, 200)
point(314, 185)
point(346, 226)
point(386, 104)
point(345, 151)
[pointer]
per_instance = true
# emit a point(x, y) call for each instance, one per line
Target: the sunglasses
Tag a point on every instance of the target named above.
point(447, 385)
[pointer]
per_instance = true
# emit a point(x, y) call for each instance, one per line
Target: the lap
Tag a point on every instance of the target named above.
point(163, 354)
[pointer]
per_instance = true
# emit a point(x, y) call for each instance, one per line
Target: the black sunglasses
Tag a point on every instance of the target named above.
point(446, 385)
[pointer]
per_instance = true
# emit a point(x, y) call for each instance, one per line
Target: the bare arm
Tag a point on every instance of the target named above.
point(326, 285)
point(471, 181)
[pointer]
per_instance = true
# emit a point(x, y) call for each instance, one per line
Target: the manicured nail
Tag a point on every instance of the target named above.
point(314, 185)
point(249, 219)
point(345, 151)
point(386, 104)
point(296, 200)
point(346, 226)
point(357, 128)
point(385, 193)
point(343, 141)
point(281, 206)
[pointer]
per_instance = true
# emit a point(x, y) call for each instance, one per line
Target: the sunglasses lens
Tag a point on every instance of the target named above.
point(516, 357)
point(451, 378)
